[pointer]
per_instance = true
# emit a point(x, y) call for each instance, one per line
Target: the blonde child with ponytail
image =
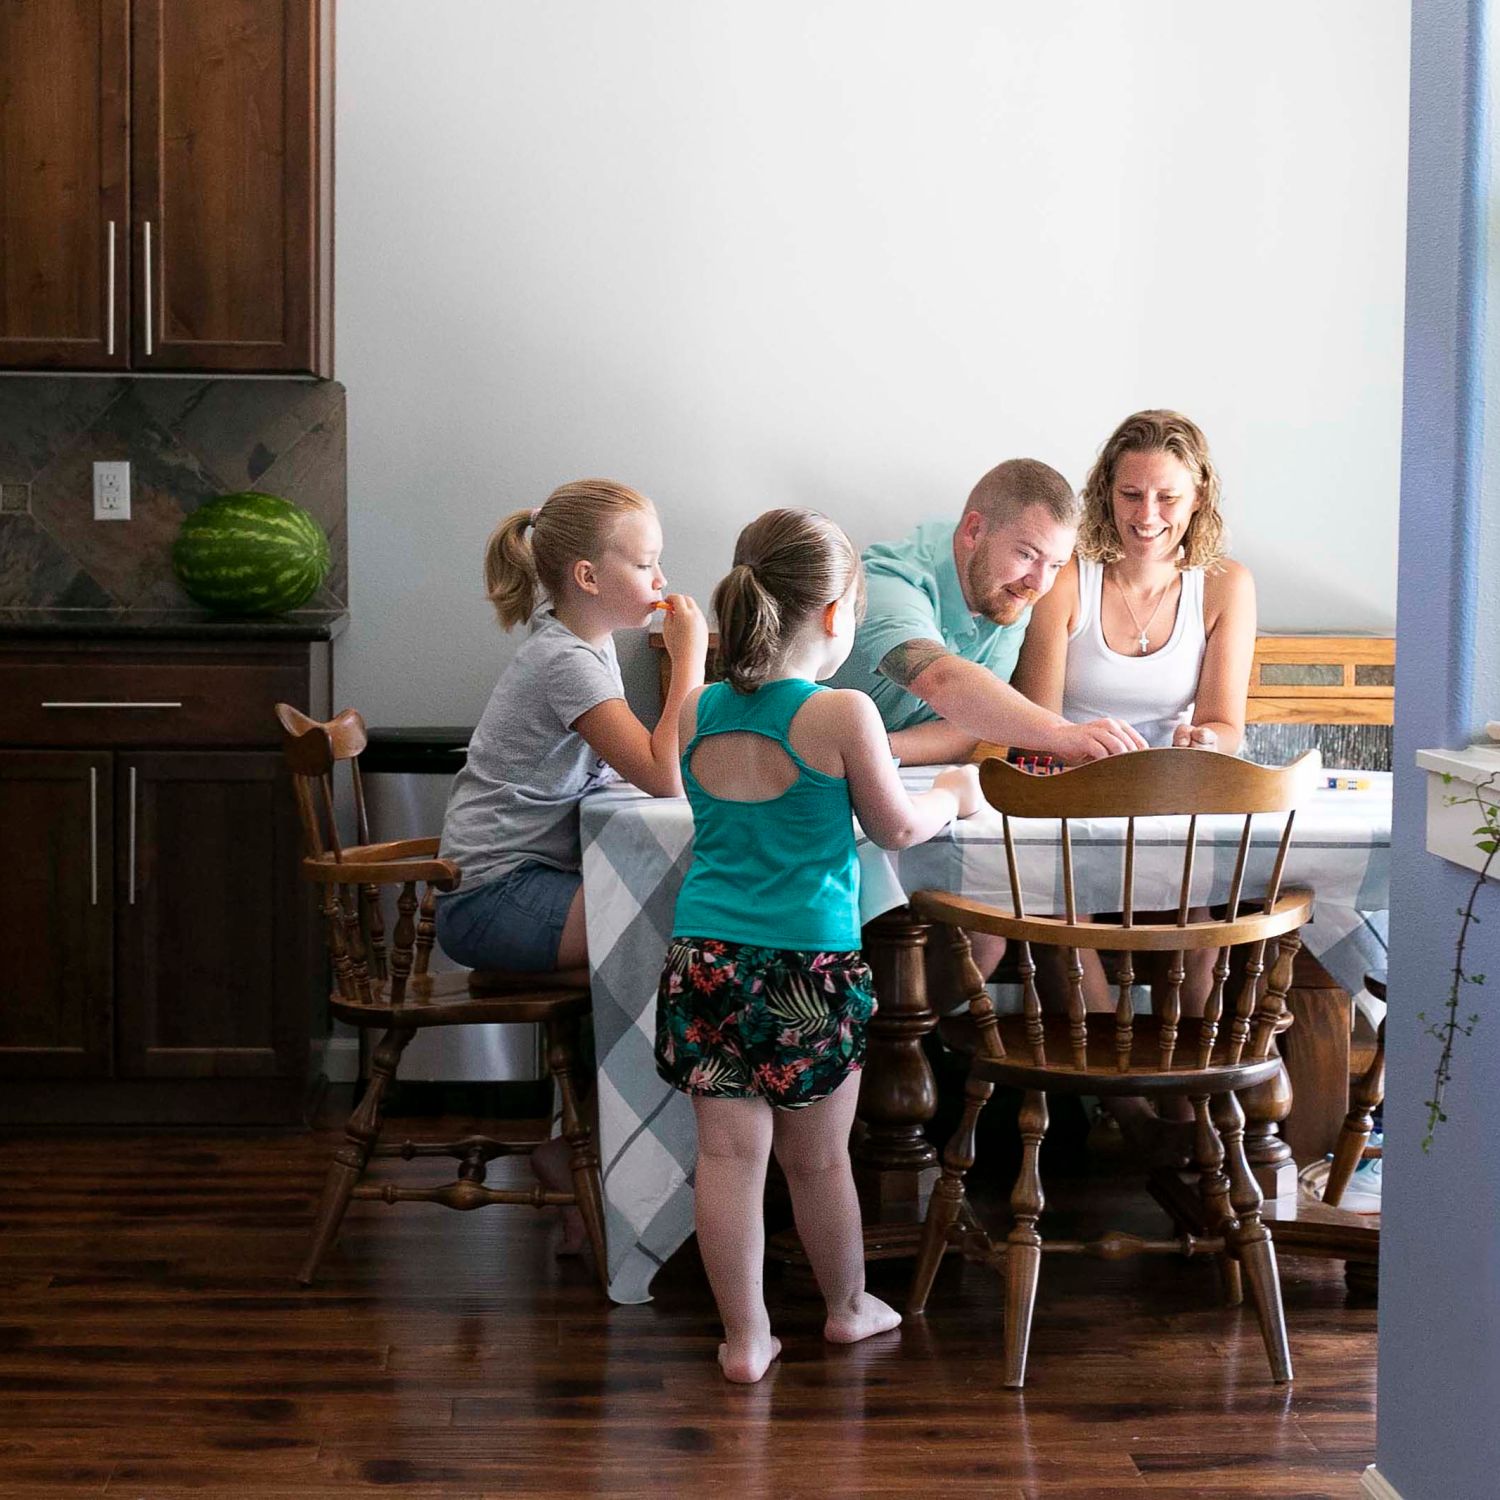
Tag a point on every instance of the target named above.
point(583, 564)
point(764, 997)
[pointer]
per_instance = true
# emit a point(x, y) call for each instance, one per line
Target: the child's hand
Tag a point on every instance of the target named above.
point(684, 630)
point(963, 782)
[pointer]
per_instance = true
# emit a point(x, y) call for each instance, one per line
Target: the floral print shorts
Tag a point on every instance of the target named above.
point(734, 1021)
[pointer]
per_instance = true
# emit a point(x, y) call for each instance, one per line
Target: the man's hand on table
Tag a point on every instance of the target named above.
point(1078, 743)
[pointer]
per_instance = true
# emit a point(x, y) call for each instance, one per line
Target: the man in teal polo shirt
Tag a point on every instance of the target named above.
point(948, 607)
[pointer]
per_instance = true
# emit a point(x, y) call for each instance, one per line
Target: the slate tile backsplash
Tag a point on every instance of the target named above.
point(187, 441)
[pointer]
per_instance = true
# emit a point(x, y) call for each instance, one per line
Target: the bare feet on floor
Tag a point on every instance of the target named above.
point(862, 1319)
point(549, 1165)
point(745, 1362)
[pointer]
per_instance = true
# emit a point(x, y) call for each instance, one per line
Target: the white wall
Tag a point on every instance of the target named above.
point(850, 254)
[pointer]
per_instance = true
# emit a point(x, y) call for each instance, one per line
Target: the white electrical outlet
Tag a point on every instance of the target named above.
point(112, 491)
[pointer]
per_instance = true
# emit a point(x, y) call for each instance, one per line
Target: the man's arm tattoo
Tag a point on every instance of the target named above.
point(903, 664)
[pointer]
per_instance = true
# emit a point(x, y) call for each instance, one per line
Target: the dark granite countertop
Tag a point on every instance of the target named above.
point(172, 624)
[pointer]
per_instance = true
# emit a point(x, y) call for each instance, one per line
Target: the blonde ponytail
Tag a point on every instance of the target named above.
point(510, 570)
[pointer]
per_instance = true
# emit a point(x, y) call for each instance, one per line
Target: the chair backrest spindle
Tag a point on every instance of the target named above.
point(1031, 1000)
point(1078, 1034)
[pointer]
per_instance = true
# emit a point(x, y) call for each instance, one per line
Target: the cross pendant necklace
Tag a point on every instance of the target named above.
point(1143, 638)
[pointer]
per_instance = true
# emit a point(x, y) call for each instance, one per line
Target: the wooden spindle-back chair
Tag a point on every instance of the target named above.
point(1204, 1059)
point(382, 981)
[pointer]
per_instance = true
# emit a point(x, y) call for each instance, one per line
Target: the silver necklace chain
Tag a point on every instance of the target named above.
point(1142, 637)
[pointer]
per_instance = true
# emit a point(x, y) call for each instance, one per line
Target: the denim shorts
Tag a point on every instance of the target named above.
point(515, 922)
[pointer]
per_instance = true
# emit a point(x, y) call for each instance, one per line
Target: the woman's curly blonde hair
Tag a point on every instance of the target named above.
point(1158, 431)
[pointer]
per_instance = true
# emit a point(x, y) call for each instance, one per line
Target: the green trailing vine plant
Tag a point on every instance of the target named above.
point(1448, 1027)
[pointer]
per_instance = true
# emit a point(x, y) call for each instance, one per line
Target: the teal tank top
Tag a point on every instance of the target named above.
point(777, 874)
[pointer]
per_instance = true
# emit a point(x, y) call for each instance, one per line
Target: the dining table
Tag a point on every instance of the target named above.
point(637, 849)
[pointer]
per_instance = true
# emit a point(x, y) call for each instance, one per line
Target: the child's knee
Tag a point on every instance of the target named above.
point(811, 1158)
point(736, 1136)
point(731, 1152)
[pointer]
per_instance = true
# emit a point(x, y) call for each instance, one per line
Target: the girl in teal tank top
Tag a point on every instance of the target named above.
point(764, 996)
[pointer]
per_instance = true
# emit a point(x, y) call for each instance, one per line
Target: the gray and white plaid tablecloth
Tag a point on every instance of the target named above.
point(636, 850)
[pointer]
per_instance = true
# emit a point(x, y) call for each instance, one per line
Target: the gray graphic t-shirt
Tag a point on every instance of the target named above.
point(516, 798)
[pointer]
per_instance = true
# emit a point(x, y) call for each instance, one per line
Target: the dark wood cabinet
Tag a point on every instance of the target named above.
point(209, 928)
point(64, 186)
point(57, 897)
point(167, 185)
point(160, 953)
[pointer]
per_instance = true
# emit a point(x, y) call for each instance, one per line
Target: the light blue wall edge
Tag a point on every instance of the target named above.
point(1439, 1383)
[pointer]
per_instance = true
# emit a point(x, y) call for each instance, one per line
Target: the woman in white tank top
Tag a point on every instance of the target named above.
point(1155, 692)
point(1151, 622)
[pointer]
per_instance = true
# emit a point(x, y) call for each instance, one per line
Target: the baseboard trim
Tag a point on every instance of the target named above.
point(1373, 1485)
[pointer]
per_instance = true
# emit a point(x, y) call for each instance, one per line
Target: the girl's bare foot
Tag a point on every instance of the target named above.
point(549, 1165)
point(864, 1317)
point(745, 1363)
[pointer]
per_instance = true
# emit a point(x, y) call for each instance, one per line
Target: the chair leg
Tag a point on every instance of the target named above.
point(1213, 1189)
point(583, 1161)
point(947, 1200)
point(1354, 1136)
point(1024, 1262)
point(361, 1131)
point(1252, 1240)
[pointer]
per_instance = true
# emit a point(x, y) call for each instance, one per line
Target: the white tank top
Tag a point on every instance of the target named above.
point(1154, 693)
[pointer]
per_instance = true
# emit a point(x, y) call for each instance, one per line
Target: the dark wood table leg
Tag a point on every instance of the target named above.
point(1267, 1105)
point(894, 1163)
point(1316, 1050)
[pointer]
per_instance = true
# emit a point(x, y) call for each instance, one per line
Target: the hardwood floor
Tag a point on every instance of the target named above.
point(153, 1344)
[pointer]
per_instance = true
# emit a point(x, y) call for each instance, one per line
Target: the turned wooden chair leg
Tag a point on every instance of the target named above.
point(946, 1204)
point(583, 1159)
point(361, 1131)
point(1252, 1240)
point(1024, 1261)
point(1213, 1189)
point(1354, 1135)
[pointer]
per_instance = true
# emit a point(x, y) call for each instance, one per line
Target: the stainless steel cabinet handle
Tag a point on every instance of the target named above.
point(146, 236)
point(93, 835)
point(132, 836)
point(109, 302)
point(102, 704)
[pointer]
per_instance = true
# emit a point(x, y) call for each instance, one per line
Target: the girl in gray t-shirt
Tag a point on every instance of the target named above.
point(579, 567)
point(585, 563)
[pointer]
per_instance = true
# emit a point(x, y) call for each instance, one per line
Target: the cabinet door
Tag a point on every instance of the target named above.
point(230, 175)
point(64, 237)
point(56, 900)
point(210, 959)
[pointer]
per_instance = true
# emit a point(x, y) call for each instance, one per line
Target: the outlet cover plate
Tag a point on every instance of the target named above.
point(112, 490)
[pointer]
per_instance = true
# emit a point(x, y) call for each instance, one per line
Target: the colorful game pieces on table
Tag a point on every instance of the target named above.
point(1035, 762)
point(1346, 783)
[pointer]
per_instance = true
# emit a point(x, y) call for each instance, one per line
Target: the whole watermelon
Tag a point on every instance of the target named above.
point(250, 554)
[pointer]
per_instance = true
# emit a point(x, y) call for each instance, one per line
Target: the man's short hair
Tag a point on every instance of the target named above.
point(1018, 483)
